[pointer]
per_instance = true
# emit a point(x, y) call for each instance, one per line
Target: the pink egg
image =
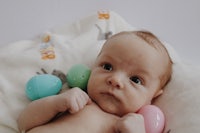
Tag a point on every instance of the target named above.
point(153, 118)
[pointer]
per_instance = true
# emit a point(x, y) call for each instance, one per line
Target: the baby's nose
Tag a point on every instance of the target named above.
point(115, 82)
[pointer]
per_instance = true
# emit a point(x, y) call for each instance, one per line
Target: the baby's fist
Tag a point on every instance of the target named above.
point(74, 100)
point(130, 123)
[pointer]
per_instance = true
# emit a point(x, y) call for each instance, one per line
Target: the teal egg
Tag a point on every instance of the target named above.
point(43, 85)
point(78, 76)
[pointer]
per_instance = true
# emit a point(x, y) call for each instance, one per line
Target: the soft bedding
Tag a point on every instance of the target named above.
point(80, 42)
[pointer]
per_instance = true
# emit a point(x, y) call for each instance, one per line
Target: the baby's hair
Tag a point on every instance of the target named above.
point(152, 40)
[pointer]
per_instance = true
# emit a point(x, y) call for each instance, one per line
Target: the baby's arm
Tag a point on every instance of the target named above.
point(43, 110)
point(130, 123)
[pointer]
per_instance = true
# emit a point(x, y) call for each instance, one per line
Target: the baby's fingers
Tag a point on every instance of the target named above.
point(86, 99)
point(80, 100)
point(130, 123)
point(83, 100)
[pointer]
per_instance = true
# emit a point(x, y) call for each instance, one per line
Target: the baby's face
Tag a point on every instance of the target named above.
point(126, 75)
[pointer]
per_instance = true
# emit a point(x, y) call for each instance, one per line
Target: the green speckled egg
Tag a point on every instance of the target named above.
point(78, 76)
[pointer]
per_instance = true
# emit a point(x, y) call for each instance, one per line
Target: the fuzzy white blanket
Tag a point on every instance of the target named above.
point(80, 42)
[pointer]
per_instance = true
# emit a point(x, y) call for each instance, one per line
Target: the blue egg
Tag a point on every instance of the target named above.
point(43, 85)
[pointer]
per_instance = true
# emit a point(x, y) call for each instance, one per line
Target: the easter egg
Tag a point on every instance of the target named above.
point(78, 76)
point(42, 86)
point(153, 118)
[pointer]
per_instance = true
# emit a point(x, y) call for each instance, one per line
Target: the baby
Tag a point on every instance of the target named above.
point(129, 72)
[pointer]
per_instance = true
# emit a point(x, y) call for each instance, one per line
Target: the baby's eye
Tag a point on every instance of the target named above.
point(107, 66)
point(136, 79)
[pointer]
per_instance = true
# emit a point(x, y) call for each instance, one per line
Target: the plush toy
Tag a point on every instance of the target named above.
point(44, 85)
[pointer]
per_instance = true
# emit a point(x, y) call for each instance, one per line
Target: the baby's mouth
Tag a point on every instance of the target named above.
point(111, 96)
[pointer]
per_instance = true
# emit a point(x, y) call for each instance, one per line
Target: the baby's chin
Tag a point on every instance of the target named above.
point(111, 110)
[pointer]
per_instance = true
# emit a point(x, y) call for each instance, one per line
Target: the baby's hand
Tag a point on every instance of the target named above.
point(130, 123)
point(73, 100)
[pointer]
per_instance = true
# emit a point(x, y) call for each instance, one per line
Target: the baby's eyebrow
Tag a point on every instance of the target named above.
point(106, 56)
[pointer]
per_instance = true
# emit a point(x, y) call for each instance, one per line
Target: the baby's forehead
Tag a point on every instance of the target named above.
point(126, 39)
point(148, 37)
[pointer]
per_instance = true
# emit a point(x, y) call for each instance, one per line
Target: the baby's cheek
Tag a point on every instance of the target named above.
point(89, 85)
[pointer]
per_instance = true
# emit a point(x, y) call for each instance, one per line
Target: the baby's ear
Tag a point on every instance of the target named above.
point(158, 93)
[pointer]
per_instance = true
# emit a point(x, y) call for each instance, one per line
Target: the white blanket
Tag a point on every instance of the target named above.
point(80, 42)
